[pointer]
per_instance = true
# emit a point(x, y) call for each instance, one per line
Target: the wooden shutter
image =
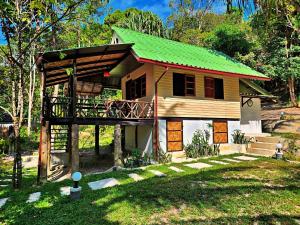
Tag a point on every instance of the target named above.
point(209, 84)
point(174, 135)
point(220, 132)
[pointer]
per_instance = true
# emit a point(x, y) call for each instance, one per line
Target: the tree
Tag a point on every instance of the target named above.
point(278, 26)
point(24, 24)
point(230, 39)
point(145, 22)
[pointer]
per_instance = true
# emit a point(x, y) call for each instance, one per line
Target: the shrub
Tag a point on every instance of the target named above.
point(164, 157)
point(200, 145)
point(291, 150)
point(136, 159)
point(239, 138)
point(4, 145)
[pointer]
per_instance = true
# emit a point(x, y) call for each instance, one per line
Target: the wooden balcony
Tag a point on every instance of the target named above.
point(95, 110)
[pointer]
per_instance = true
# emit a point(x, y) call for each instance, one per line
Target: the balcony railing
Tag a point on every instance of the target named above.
point(63, 107)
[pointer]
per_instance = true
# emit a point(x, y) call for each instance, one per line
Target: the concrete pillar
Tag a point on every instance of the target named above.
point(45, 151)
point(97, 144)
point(75, 150)
point(118, 146)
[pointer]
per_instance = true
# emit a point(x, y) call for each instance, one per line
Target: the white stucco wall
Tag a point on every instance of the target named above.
point(190, 126)
point(251, 118)
point(144, 136)
point(130, 137)
point(232, 126)
point(162, 129)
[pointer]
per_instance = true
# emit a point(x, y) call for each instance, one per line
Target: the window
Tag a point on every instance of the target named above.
point(136, 88)
point(214, 88)
point(183, 85)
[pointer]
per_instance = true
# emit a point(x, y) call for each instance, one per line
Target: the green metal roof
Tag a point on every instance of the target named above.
point(173, 52)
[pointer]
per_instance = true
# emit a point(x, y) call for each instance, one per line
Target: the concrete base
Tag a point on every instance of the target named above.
point(75, 193)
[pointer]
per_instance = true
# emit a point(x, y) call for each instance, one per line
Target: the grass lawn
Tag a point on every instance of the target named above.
point(265, 191)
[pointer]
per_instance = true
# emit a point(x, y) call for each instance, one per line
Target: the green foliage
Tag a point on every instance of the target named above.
point(239, 138)
point(164, 157)
point(292, 150)
point(136, 159)
point(230, 39)
point(4, 145)
point(200, 145)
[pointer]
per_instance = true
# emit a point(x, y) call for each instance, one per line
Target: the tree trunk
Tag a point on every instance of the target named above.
point(31, 90)
point(293, 97)
point(17, 167)
point(118, 146)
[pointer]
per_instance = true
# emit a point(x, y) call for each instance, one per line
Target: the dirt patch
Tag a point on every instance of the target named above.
point(274, 113)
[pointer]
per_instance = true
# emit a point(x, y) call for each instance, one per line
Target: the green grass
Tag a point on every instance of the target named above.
point(287, 135)
point(264, 191)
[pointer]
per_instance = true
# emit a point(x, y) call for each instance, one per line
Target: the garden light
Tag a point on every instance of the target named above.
point(279, 152)
point(76, 189)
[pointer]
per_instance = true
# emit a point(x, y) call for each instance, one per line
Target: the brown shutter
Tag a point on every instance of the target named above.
point(209, 84)
point(220, 132)
point(174, 135)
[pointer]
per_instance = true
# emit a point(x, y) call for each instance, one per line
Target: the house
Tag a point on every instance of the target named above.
point(169, 89)
point(192, 88)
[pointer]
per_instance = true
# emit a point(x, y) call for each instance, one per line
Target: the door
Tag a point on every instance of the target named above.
point(220, 132)
point(174, 136)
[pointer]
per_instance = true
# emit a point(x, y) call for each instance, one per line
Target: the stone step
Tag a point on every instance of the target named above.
point(264, 145)
point(34, 197)
point(261, 151)
point(135, 176)
point(3, 202)
point(268, 139)
point(105, 183)
point(157, 173)
point(176, 169)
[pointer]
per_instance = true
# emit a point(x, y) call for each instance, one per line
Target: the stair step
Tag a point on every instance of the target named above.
point(268, 139)
point(261, 151)
point(264, 145)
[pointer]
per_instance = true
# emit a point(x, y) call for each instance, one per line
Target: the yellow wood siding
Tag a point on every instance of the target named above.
point(145, 69)
point(188, 106)
point(197, 106)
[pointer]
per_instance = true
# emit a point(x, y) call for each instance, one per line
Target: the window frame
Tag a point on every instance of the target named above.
point(137, 88)
point(185, 85)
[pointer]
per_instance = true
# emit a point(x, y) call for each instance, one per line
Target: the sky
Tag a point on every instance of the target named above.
point(159, 7)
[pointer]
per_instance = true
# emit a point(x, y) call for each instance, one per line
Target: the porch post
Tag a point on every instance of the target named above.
point(45, 147)
point(97, 147)
point(118, 146)
point(75, 151)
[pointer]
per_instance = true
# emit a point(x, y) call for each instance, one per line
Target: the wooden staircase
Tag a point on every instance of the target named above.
point(265, 146)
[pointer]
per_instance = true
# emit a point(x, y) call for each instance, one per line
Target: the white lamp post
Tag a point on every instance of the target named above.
point(76, 189)
point(279, 152)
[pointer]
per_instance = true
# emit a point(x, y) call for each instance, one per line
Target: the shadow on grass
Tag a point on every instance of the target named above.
point(150, 201)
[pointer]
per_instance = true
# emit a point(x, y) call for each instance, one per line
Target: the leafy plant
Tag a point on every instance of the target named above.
point(200, 145)
point(291, 150)
point(3, 145)
point(164, 157)
point(136, 159)
point(240, 138)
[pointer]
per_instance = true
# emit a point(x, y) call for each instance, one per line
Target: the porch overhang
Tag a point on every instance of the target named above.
point(89, 64)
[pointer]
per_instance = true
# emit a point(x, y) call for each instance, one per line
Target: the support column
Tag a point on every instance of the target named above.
point(44, 151)
point(69, 145)
point(97, 144)
point(75, 151)
point(118, 146)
